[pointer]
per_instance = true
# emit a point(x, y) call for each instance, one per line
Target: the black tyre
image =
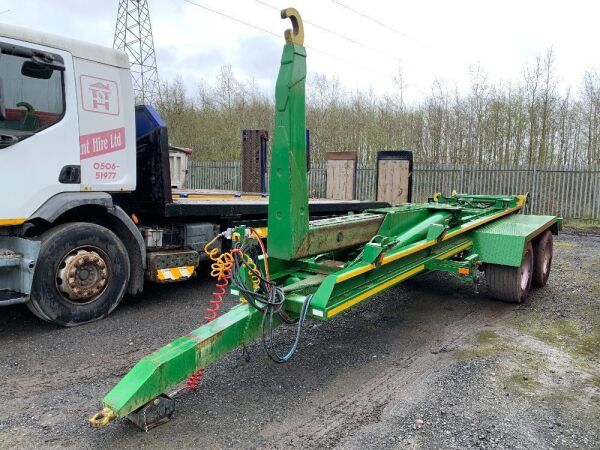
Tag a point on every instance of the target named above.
point(511, 284)
point(81, 275)
point(542, 258)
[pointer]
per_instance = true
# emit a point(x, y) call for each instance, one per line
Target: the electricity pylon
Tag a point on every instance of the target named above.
point(133, 34)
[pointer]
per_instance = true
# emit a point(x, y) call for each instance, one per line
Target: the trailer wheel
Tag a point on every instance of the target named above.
point(511, 284)
point(542, 258)
point(81, 276)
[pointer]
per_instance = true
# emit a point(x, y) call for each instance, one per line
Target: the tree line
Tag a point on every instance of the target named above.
point(526, 122)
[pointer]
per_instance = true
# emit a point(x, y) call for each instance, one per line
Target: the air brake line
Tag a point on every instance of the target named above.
point(221, 270)
point(265, 296)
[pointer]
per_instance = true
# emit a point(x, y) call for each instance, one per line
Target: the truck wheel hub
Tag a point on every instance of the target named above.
point(82, 275)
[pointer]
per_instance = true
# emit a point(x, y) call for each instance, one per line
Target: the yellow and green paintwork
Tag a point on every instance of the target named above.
point(340, 261)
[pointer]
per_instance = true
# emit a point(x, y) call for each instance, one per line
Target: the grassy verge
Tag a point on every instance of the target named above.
point(582, 225)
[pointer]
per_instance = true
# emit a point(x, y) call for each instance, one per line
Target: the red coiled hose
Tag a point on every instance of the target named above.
point(212, 312)
point(221, 289)
point(194, 380)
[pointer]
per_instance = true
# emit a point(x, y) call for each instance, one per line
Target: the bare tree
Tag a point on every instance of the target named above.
point(528, 122)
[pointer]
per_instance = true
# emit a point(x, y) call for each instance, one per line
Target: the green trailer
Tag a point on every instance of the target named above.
point(318, 269)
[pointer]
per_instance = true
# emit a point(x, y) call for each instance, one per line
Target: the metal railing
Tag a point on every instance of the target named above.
point(214, 175)
point(570, 193)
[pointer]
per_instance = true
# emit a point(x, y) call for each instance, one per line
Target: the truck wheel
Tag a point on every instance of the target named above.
point(81, 275)
point(542, 258)
point(511, 284)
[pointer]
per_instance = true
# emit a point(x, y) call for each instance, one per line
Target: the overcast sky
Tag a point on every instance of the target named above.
point(428, 39)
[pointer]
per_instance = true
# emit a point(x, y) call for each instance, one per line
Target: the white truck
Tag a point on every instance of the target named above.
point(88, 212)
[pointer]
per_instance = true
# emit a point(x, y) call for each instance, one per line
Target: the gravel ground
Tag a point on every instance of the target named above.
point(430, 364)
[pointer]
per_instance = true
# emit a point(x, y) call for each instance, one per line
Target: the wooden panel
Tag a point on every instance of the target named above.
point(254, 153)
point(340, 155)
point(340, 179)
point(392, 181)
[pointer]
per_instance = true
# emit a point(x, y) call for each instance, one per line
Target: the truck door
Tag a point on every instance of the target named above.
point(39, 147)
point(106, 126)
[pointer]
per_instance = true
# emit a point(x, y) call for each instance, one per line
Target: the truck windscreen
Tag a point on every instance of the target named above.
point(31, 94)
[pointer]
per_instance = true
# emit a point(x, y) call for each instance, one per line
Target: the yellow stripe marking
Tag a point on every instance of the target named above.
point(354, 273)
point(479, 222)
point(8, 222)
point(408, 251)
point(344, 306)
point(456, 250)
point(541, 230)
point(162, 274)
point(411, 250)
point(175, 273)
point(218, 197)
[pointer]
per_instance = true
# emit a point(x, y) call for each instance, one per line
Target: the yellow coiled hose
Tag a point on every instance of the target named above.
point(222, 263)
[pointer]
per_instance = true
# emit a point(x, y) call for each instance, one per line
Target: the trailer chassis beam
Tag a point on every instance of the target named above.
point(176, 361)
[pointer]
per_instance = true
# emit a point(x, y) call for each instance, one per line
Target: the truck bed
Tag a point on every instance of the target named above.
point(220, 203)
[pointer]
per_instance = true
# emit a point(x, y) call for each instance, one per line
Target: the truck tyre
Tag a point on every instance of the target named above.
point(542, 258)
point(511, 284)
point(81, 275)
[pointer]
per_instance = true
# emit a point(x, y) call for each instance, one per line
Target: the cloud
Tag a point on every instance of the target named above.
point(166, 55)
point(258, 57)
point(194, 42)
point(208, 60)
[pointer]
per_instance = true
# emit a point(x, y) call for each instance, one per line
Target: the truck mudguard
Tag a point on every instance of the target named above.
point(122, 226)
point(59, 204)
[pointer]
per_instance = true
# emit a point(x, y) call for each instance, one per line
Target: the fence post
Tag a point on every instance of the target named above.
point(462, 178)
point(534, 190)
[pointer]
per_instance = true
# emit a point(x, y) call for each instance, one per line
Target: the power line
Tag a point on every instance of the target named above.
point(334, 33)
point(264, 30)
point(235, 19)
point(379, 22)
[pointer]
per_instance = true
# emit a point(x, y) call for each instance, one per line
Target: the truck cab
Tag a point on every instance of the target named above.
point(66, 120)
point(67, 141)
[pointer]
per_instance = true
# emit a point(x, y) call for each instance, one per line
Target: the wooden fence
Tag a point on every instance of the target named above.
point(570, 193)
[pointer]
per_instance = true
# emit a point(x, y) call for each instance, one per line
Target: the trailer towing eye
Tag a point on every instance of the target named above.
point(101, 418)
